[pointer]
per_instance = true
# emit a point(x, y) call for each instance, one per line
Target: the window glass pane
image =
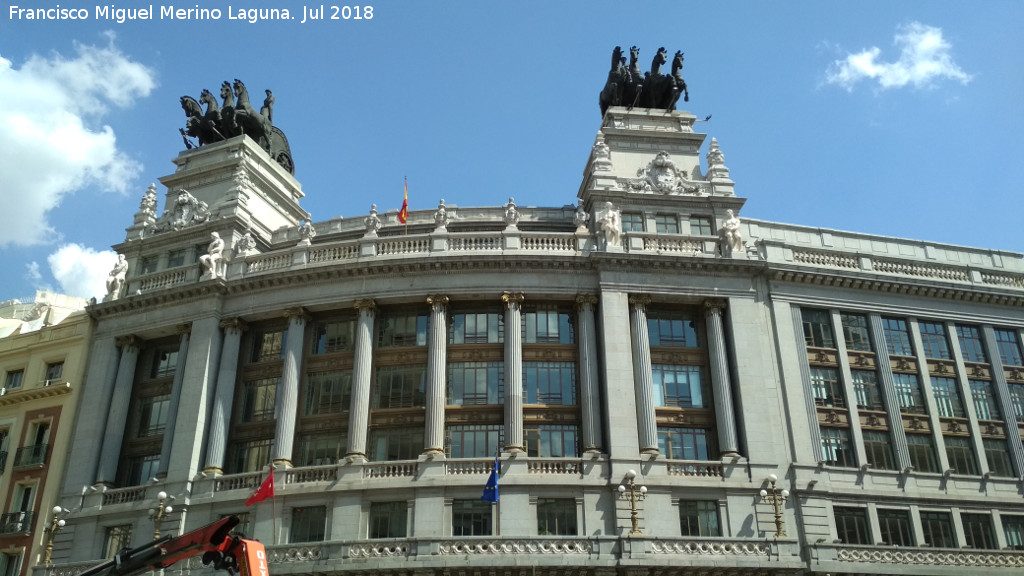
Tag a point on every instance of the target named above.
point(319, 449)
point(826, 387)
point(865, 385)
point(402, 329)
point(552, 441)
point(856, 332)
point(666, 224)
point(970, 344)
point(938, 529)
point(683, 443)
point(817, 328)
point(852, 525)
point(986, 405)
point(895, 527)
point(908, 393)
point(477, 328)
point(678, 386)
point(922, 452)
point(14, 379)
point(878, 448)
point(700, 226)
point(672, 329)
point(475, 441)
point(388, 519)
point(836, 449)
point(471, 518)
point(476, 383)
point(549, 383)
point(947, 397)
point(978, 531)
point(1013, 528)
point(309, 524)
point(556, 517)
point(328, 393)
point(897, 338)
point(396, 444)
point(632, 222)
point(269, 345)
point(258, 398)
point(960, 454)
point(699, 518)
point(934, 341)
point(1009, 347)
point(334, 336)
point(997, 453)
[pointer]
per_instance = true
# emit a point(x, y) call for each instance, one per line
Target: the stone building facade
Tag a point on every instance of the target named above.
point(648, 337)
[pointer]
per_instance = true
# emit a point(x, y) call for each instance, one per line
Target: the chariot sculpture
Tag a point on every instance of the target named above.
point(627, 86)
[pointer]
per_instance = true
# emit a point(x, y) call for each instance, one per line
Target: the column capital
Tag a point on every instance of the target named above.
point(586, 299)
point(510, 298)
point(234, 324)
point(296, 313)
point(437, 300)
point(183, 329)
point(714, 305)
point(129, 341)
point(365, 304)
point(639, 300)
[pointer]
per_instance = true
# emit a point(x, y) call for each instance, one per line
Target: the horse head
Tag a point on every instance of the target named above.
point(191, 107)
point(616, 58)
point(677, 63)
point(227, 94)
point(659, 59)
point(241, 93)
point(634, 55)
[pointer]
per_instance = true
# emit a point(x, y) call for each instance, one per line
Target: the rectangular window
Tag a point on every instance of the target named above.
point(683, 443)
point(138, 470)
point(922, 452)
point(699, 518)
point(947, 397)
point(471, 518)
point(258, 398)
point(826, 387)
point(960, 454)
point(309, 524)
point(908, 392)
point(319, 449)
point(268, 345)
point(152, 415)
point(556, 517)
point(5, 435)
point(399, 387)
point(552, 441)
point(878, 449)
point(388, 519)
point(176, 258)
point(408, 329)
point(836, 448)
point(632, 222)
point(1017, 400)
point(328, 393)
point(548, 327)
point(700, 226)
point(856, 332)
point(865, 385)
point(933, 340)
point(549, 383)
point(677, 386)
point(1013, 528)
point(668, 329)
point(474, 441)
point(477, 328)
point(396, 444)
point(998, 457)
point(14, 379)
point(895, 527)
point(54, 372)
point(148, 265)
point(334, 336)
point(938, 529)
point(970, 344)
point(978, 531)
point(165, 363)
point(249, 456)
point(116, 539)
point(10, 564)
point(666, 224)
point(476, 383)
point(852, 525)
point(985, 402)
point(1009, 347)
point(817, 328)
point(897, 338)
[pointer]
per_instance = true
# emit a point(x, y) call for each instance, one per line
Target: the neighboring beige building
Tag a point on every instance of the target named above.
point(648, 333)
point(43, 353)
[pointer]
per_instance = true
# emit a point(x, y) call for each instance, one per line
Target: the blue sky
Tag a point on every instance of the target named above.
point(895, 118)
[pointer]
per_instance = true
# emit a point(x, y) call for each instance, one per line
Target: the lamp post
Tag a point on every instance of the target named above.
point(776, 498)
point(635, 494)
point(159, 513)
point(56, 523)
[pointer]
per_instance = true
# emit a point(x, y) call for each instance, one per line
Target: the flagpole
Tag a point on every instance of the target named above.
point(406, 180)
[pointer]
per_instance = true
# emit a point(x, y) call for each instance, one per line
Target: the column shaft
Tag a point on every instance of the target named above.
point(118, 413)
point(437, 363)
point(720, 382)
point(590, 390)
point(172, 409)
point(288, 389)
point(647, 429)
point(514, 439)
point(359, 414)
point(224, 395)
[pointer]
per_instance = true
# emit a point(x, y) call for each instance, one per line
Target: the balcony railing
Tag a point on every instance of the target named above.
point(16, 523)
point(30, 455)
point(3, 461)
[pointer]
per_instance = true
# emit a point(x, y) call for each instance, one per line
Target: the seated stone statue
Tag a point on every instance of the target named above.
point(732, 240)
point(211, 260)
point(115, 280)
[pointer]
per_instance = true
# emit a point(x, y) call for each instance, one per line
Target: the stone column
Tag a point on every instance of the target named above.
point(721, 384)
point(224, 396)
point(643, 382)
point(590, 388)
point(437, 369)
point(87, 438)
point(514, 439)
point(117, 416)
point(172, 405)
point(359, 414)
point(288, 389)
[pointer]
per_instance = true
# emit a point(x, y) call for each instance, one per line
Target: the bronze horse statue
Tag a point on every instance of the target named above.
point(250, 121)
point(635, 85)
point(678, 84)
point(199, 125)
point(616, 84)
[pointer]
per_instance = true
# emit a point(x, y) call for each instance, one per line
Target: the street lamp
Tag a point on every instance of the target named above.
point(159, 513)
point(635, 495)
point(776, 498)
point(56, 523)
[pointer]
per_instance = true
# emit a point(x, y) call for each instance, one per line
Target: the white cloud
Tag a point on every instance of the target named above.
point(924, 57)
point(81, 271)
point(52, 145)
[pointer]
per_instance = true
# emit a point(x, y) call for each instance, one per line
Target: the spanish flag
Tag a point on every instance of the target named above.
point(403, 214)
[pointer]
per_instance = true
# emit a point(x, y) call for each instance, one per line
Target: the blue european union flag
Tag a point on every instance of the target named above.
point(491, 489)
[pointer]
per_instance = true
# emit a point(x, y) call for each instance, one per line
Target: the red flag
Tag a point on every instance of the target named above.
point(266, 490)
point(403, 214)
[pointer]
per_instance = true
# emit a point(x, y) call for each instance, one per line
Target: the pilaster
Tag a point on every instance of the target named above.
point(118, 413)
point(590, 387)
point(721, 383)
point(172, 411)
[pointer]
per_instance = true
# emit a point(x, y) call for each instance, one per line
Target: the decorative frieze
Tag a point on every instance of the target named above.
point(517, 547)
